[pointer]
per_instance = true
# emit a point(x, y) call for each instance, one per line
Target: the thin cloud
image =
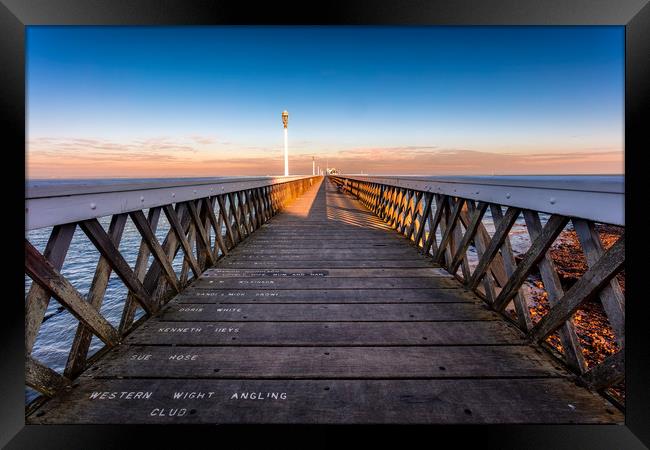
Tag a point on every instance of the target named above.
point(166, 157)
point(431, 160)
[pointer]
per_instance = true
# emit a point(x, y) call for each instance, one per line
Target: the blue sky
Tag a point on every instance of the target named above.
point(427, 99)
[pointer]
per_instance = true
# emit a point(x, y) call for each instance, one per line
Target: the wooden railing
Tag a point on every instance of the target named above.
point(206, 220)
point(446, 219)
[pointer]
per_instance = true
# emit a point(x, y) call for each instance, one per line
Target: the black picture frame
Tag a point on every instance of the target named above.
point(633, 14)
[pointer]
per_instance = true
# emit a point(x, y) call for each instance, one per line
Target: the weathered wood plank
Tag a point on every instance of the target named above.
point(445, 295)
point(287, 246)
point(226, 272)
point(326, 312)
point(330, 363)
point(320, 264)
point(325, 333)
point(379, 252)
point(325, 283)
point(328, 401)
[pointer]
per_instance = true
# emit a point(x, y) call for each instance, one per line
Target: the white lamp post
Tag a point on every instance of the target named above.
point(285, 122)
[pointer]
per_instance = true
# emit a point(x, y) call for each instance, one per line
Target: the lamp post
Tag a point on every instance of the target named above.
point(285, 122)
point(313, 165)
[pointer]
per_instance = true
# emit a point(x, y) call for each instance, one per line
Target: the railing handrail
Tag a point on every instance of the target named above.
point(204, 222)
point(444, 220)
point(600, 198)
point(49, 205)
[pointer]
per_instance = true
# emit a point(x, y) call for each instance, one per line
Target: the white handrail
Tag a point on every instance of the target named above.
point(48, 205)
point(600, 198)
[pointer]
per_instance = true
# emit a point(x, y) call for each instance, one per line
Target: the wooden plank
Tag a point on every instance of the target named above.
point(387, 247)
point(221, 273)
point(546, 400)
point(193, 295)
point(322, 244)
point(42, 378)
point(325, 283)
point(586, 287)
point(537, 250)
point(378, 252)
point(329, 363)
point(107, 249)
point(319, 264)
point(465, 311)
point(38, 299)
point(43, 273)
point(325, 333)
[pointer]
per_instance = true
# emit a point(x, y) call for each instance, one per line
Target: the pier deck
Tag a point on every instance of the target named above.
point(326, 315)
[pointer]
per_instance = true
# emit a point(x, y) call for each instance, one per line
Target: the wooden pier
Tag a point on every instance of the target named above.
point(324, 314)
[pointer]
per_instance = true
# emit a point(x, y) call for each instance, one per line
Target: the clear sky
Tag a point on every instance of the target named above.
point(206, 101)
